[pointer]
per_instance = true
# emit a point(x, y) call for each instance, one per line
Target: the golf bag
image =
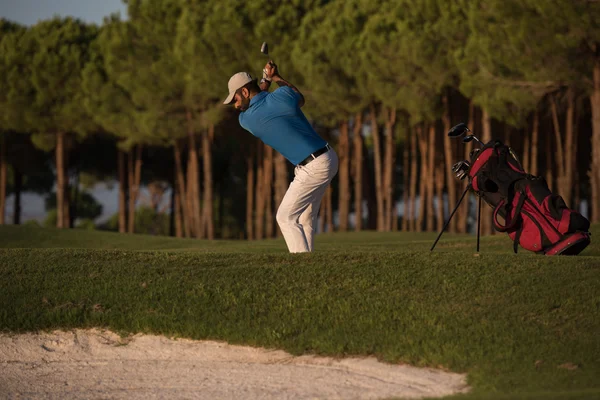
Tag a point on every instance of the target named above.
point(533, 217)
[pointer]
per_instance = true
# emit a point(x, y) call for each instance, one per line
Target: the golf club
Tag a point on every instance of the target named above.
point(470, 138)
point(461, 169)
point(458, 130)
point(264, 48)
point(473, 152)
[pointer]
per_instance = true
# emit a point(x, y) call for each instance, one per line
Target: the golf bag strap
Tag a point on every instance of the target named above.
point(502, 155)
point(509, 224)
point(517, 239)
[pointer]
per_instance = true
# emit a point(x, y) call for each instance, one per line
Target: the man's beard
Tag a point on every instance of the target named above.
point(245, 104)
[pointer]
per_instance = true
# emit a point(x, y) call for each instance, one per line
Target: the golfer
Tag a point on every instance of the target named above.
point(276, 119)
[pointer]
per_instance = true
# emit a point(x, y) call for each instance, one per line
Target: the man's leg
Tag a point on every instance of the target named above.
point(289, 210)
point(308, 219)
point(304, 197)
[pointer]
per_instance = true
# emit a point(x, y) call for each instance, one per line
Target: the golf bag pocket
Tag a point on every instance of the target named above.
point(538, 220)
point(554, 208)
point(523, 224)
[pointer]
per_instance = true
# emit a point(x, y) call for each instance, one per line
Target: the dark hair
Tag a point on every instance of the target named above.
point(252, 87)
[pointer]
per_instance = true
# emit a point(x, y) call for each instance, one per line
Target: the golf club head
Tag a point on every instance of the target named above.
point(473, 153)
point(470, 138)
point(264, 48)
point(458, 130)
point(461, 169)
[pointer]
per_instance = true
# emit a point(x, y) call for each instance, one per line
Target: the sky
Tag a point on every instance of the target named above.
point(28, 12)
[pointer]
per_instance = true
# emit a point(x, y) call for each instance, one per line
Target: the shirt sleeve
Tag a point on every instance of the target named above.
point(287, 95)
point(241, 120)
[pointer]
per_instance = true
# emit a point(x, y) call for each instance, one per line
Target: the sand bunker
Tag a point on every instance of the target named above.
point(85, 364)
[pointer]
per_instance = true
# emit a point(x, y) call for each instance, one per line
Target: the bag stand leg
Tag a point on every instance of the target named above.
point(451, 215)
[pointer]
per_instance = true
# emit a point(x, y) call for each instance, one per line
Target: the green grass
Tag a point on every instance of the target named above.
point(512, 322)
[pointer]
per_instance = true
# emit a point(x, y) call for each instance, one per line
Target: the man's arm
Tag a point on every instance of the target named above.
point(282, 82)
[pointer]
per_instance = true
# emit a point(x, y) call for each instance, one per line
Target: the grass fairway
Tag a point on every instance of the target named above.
point(522, 326)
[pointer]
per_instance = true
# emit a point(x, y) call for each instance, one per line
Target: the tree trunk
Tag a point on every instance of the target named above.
point(172, 206)
point(194, 180)
point(405, 178)
point(423, 192)
point(60, 180)
point(207, 215)
point(281, 183)
point(67, 192)
point(221, 195)
point(449, 158)
point(357, 168)
point(344, 176)
point(189, 196)
point(250, 196)
point(486, 211)
point(570, 150)
point(534, 144)
point(378, 177)
point(439, 193)
point(325, 213)
point(526, 150)
point(18, 188)
point(430, 177)
point(259, 202)
point(181, 191)
point(559, 156)
point(506, 134)
point(122, 192)
point(577, 194)
point(73, 204)
point(549, 175)
point(412, 201)
point(131, 193)
point(329, 215)
point(268, 190)
point(463, 211)
point(3, 178)
point(176, 207)
point(322, 211)
point(135, 175)
point(594, 173)
point(574, 169)
point(388, 170)
point(368, 192)
point(138, 173)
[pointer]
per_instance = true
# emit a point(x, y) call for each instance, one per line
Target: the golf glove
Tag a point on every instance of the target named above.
point(265, 76)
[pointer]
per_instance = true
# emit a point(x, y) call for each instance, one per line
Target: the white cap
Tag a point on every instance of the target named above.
point(235, 82)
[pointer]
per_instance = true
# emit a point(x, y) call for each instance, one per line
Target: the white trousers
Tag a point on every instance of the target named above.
point(297, 213)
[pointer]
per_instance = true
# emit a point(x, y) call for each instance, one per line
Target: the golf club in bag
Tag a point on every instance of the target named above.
point(534, 218)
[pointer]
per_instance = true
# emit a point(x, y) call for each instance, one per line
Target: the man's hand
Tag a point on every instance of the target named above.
point(270, 71)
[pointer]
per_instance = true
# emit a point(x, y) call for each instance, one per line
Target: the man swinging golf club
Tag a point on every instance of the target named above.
point(276, 119)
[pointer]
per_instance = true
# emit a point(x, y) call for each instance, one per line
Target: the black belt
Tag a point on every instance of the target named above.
point(315, 155)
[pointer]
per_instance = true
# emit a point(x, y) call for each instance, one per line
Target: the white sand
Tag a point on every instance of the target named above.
point(94, 364)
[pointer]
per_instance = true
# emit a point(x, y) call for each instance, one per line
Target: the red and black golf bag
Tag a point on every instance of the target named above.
point(534, 217)
point(524, 207)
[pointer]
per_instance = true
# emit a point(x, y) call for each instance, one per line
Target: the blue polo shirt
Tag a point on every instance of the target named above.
point(276, 119)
